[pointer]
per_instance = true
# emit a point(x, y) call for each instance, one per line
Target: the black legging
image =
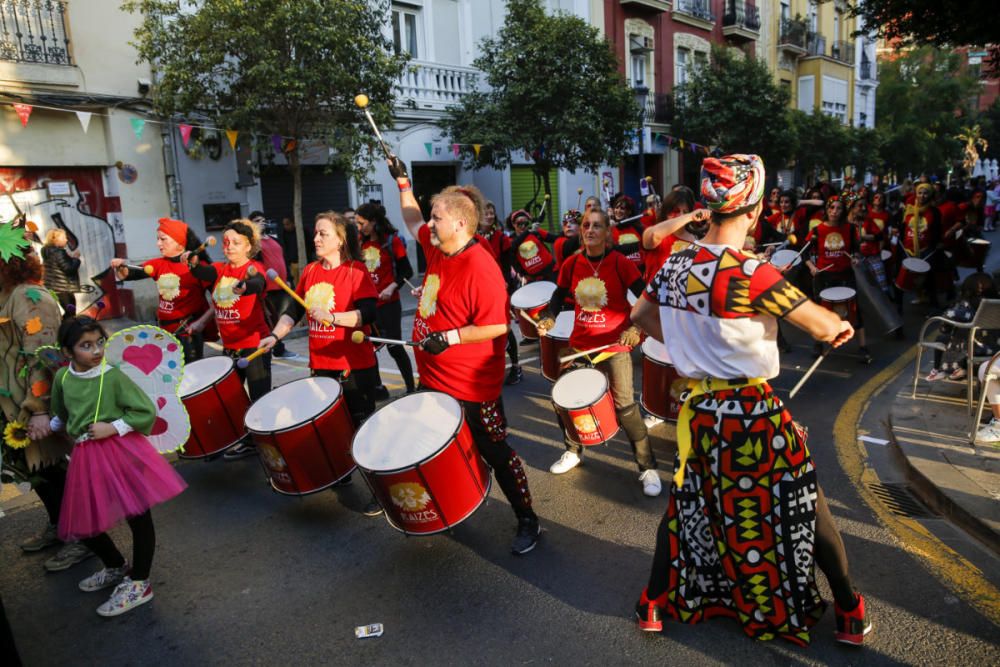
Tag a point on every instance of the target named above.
point(257, 374)
point(831, 557)
point(50, 491)
point(143, 546)
point(359, 390)
point(388, 320)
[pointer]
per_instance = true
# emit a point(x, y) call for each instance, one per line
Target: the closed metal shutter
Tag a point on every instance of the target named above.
point(522, 190)
point(320, 192)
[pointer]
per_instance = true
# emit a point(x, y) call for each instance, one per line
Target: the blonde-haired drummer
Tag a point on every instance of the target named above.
point(461, 324)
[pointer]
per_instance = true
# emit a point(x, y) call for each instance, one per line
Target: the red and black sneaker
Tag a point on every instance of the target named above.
point(852, 626)
point(648, 614)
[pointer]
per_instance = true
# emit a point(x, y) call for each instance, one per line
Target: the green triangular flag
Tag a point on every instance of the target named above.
point(137, 125)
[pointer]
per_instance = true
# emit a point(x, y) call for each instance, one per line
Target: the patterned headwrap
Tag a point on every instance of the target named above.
point(732, 182)
point(571, 217)
point(924, 186)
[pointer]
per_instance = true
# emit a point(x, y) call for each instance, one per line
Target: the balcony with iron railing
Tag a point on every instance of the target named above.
point(815, 44)
point(656, 5)
point(741, 21)
point(866, 70)
point(433, 86)
point(792, 37)
point(34, 31)
point(659, 109)
point(843, 51)
point(695, 12)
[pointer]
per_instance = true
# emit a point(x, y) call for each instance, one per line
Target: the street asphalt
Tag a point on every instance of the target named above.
point(245, 576)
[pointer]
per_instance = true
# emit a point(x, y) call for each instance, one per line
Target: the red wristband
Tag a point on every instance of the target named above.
point(404, 184)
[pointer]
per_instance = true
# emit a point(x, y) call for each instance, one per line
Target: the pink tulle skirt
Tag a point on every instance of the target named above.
point(113, 479)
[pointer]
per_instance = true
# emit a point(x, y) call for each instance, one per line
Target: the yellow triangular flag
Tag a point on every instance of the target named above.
point(476, 148)
point(231, 135)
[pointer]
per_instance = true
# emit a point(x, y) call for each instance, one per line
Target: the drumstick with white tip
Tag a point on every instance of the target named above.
point(361, 101)
point(579, 196)
point(572, 357)
point(809, 372)
point(527, 317)
point(243, 362)
point(360, 337)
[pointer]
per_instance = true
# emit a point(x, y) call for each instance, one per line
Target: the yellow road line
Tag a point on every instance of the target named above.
point(946, 564)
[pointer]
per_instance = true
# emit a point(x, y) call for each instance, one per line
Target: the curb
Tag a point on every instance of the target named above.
point(937, 500)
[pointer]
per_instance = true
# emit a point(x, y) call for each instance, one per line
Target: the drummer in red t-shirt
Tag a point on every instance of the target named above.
point(182, 309)
point(461, 324)
point(680, 226)
point(626, 233)
point(237, 295)
point(532, 259)
point(566, 243)
point(835, 241)
point(503, 252)
point(384, 254)
point(600, 278)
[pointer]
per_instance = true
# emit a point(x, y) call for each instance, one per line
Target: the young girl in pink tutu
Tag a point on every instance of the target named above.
point(114, 472)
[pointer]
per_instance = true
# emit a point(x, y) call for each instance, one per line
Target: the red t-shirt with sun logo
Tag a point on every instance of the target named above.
point(628, 241)
point(461, 290)
point(380, 260)
point(338, 289)
point(834, 245)
point(181, 294)
point(240, 318)
point(532, 255)
point(600, 291)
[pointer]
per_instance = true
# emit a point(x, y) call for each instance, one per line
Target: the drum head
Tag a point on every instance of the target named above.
point(198, 375)
point(782, 258)
point(632, 298)
point(292, 404)
point(655, 350)
point(407, 431)
point(532, 295)
point(886, 255)
point(836, 294)
point(579, 388)
point(979, 242)
point(564, 325)
point(916, 265)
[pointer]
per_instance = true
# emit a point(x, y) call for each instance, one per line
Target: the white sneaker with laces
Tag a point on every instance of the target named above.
point(128, 595)
point(566, 462)
point(651, 420)
point(989, 434)
point(651, 485)
point(104, 578)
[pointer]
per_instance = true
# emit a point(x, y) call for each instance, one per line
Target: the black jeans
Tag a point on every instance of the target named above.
point(488, 425)
point(388, 321)
point(257, 374)
point(143, 546)
point(50, 490)
point(359, 390)
point(275, 303)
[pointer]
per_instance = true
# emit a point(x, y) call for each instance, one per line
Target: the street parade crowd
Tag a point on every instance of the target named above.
point(699, 287)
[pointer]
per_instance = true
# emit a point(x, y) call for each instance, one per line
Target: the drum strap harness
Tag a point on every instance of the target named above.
point(698, 388)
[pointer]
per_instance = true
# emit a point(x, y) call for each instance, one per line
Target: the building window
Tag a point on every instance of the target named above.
point(813, 16)
point(786, 11)
point(836, 26)
point(681, 64)
point(638, 69)
point(835, 109)
point(404, 31)
point(700, 60)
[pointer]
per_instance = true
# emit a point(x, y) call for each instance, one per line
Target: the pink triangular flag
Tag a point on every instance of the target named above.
point(23, 112)
point(454, 149)
point(84, 118)
point(231, 135)
point(185, 133)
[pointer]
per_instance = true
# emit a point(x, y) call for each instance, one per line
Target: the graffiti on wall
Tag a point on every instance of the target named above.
point(77, 203)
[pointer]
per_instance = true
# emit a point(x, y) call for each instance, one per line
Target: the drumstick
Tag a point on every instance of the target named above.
point(634, 217)
point(809, 372)
point(527, 317)
point(412, 286)
point(649, 182)
point(210, 241)
point(245, 361)
point(571, 357)
point(360, 337)
point(579, 196)
point(362, 102)
point(273, 276)
point(541, 212)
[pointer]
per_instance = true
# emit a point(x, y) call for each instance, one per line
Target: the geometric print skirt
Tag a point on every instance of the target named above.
point(741, 529)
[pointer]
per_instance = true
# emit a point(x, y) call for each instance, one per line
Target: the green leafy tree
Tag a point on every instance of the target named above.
point(866, 150)
point(823, 143)
point(554, 92)
point(932, 22)
point(923, 103)
point(266, 67)
point(735, 104)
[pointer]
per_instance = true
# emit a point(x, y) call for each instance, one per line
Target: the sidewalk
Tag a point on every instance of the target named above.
point(930, 432)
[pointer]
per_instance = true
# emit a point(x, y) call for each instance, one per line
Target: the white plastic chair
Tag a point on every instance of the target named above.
point(992, 373)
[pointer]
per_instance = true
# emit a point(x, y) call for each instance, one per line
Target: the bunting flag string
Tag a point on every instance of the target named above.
point(23, 112)
point(84, 118)
point(185, 133)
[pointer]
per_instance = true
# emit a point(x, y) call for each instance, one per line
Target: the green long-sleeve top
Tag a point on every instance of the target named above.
point(120, 399)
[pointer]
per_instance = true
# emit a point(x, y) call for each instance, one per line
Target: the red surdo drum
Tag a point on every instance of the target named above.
point(661, 385)
point(418, 457)
point(531, 300)
point(842, 301)
point(975, 253)
point(912, 274)
point(303, 431)
point(554, 343)
point(582, 400)
point(213, 394)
